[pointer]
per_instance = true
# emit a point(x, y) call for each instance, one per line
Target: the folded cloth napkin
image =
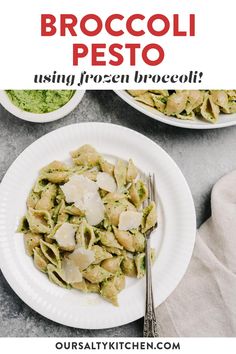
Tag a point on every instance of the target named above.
point(204, 303)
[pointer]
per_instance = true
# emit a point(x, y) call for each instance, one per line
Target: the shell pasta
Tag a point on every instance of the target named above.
point(189, 104)
point(85, 226)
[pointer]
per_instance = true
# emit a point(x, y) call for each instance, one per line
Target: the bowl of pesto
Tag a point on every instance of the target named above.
point(40, 106)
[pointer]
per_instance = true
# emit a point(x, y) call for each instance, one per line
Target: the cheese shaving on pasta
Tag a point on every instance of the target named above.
point(130, 220)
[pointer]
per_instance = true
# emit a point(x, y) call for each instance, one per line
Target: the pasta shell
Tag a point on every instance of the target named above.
point(40, 261)
point(176, 103)
point(132, 171)
point(96, 274)
point(108, 239)
point(90, 159)
point(82, 286)
point(125, 238)
point(149, 217)
point(209, 110)
point(185, 116)
point(39, 221)
point(62, 215)
point(111, 288)
point(195, 100)
point(116, 251)
point(31, 241)
point(100, 254)
point(138, 193)
point(85, 236)
point(84, 149)
point(146, 98)
point(39, 184)
point(115, 208)
point(87, 287)
point(51, 252)
point(112, 265)
point(109, 292)
point(55, 166)
point(139, 241)
point(113, 197)
point(119, 282)
point(92, 288)
point(120, 174)
point(48, 195)
point(57, 177)
point(220, 98)
point(128, 267)
point(23, 226)
point(55, 275)
point(32, 199)
point(106, 166)
point(139, 260)
point(73, 210)
point(159, 102)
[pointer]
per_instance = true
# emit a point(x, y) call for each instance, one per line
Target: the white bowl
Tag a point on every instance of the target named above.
point(59, 113)
point(225, 120)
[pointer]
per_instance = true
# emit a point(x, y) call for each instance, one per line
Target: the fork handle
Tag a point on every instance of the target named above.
point(151, 326)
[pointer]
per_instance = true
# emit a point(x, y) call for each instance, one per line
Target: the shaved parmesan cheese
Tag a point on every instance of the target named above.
point(130, 220)
point(94, 208)
point(71, 189)
point(83, 192)
point(70, 271)
point(65, 236)
point(82, 257)
point(106, 182)
point(75, 189)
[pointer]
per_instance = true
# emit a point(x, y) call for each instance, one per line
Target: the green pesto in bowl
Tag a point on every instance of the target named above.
point(40, 101)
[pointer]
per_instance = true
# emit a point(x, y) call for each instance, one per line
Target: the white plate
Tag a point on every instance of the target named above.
point(173, 240)
point(59, 113)
point(225, 120)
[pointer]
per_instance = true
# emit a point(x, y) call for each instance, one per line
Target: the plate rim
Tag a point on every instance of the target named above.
point(190, 246)
point(158, 116)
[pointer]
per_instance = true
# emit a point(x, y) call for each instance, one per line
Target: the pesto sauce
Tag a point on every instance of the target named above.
point(40, 101)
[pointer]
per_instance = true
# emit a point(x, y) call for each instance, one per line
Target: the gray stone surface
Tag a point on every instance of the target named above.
point(203, 156)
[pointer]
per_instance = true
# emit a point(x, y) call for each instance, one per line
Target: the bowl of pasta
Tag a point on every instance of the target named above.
point(193, 109)
point(40, 106)
point(73, 241)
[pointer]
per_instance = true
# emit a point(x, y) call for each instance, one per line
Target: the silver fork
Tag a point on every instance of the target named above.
point(151, 326)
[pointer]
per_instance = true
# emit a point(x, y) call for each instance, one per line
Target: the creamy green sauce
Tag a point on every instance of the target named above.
point(40, 101)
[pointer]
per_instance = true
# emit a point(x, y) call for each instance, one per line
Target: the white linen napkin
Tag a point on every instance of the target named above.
point(204, 303)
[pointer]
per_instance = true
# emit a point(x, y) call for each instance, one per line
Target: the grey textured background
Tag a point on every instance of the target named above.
point(203, 156)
